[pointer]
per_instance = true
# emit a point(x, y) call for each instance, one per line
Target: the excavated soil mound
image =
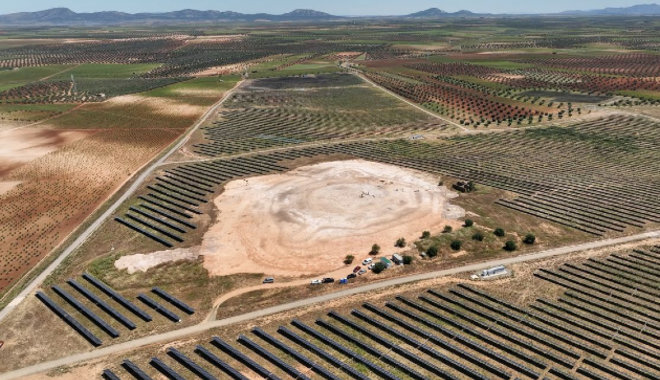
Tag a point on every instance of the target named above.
point(307, 220)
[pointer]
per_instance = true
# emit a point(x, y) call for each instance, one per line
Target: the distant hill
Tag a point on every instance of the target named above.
point(65, 16)
point(433, 13)
point(429, 13)
point(635, 10)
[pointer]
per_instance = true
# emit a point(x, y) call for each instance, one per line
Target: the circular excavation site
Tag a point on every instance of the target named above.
point(307, 220)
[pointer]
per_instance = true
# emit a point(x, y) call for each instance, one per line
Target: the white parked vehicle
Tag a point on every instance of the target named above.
point(371, 266)
point(367, 261)
point(491, 273)
point(316, 282)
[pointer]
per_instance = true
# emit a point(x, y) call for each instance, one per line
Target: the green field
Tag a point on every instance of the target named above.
point(203, 87)
point(19, 77)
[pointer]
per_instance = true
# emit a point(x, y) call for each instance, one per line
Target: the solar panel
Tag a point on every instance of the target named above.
point(236, 354)
point(69, 319)
point(158, 307)
point(173, 300)
point(117, 297)
point(134, 370)
point(272, 358)
point(229, 370)
point(101, 304)
point(191, 365)
point(295, 354)
point(321, 353)
point(86, 312)
point(165, 369)
point(109, 375)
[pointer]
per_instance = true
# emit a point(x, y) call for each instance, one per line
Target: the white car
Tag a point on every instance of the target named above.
point(371, 266)
point(367, 261)
point(316, 282)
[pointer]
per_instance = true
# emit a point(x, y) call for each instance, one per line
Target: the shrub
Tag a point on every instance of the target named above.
point(432, 251)
point(456, 245)
point(349, 259)
point(529, 239)
point(510, 246)
point(499, 232)
point(401, 242)
point(468, 223)
point(478, 236)
point(378, 267)
point(375, 249)
point(407, 260)
point(447, 230)
point(426, 235)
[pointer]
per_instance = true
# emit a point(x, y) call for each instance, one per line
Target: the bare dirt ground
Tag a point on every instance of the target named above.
point(8, 186)
point(307, 220)
point(20, 146)
point(163, 106)
point(143, 262)
point(221, 70)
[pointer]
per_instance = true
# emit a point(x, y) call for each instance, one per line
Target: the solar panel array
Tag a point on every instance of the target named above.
point(465, 332)
point(94, 315)
point(570, 181)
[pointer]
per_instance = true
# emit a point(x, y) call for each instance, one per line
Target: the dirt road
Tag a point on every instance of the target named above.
point(206, 325)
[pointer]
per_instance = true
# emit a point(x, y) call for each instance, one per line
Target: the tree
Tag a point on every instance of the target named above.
point(478, 236)
point(426, 235)
point(401, 242)
point(456, 245)
point(407, 260)
point(375, 249)
point(432, 251)
point(447, 230)
point(510, 246)
point(378, 267)
point(499, 232)
point(349, 259)
point(530, 238)
point(468, 223)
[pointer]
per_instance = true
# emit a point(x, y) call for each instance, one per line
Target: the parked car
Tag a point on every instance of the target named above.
point(269, 280)
point(367, 261)
point(352, 275)
point(357, 269)
point(371, 266)
point(343, 281)
point(316, 282)
point(362, 271)
point(328, 280)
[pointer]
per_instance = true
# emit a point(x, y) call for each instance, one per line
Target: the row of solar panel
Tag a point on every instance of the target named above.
point(107, 308)
point(181, 191)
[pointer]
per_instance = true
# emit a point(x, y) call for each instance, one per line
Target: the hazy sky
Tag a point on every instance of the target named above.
point(339, 7)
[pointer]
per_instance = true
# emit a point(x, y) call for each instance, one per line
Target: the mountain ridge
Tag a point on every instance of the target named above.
point(634, 10)
point(66, 17)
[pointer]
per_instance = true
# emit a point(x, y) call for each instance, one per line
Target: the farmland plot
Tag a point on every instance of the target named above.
point(277, 113)
point(52, 194)
point(59, 190)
